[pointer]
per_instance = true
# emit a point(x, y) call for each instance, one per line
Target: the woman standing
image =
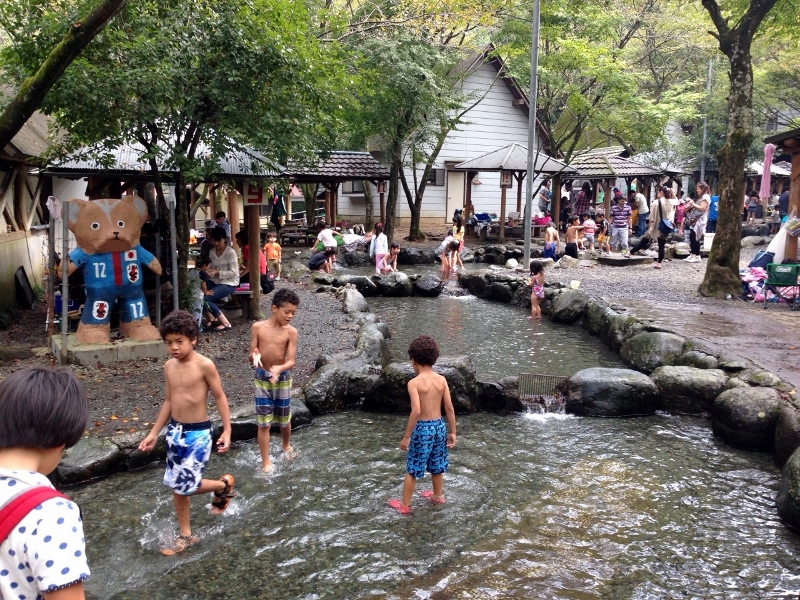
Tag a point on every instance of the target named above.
point(663, 208)
point(697, 218)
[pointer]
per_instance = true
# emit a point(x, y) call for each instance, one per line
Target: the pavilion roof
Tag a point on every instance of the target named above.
point(514, 157)
point(337, 167)
point(601, 163)
point(778, 169)
point(127, 159)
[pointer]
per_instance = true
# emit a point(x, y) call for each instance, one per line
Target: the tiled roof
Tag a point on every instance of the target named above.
point(339, 166)
point(609, 162)
point(514, 158)
point(127, 159)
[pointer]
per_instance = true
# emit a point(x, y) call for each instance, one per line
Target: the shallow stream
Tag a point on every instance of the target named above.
point(539, 506)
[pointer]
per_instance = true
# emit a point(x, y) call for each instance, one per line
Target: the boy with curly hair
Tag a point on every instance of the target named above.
point(426, 438)
point(189, 377)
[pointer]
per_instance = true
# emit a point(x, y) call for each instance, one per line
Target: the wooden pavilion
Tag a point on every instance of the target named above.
point(513, 160)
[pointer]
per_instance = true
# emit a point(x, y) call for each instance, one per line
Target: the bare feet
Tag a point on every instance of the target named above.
point(530, 317)
point(267, 468)
point(428, 495)
point(289, 453)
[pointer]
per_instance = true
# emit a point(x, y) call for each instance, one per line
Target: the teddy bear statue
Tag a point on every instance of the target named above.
point(107, 232)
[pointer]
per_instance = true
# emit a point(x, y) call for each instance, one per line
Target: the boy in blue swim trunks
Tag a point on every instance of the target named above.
point(426, 437)
point(273, 345)
point(189, 377)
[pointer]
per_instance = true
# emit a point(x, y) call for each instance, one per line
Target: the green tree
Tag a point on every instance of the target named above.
point(22, 20)
point(736, 24)
point(192, 81)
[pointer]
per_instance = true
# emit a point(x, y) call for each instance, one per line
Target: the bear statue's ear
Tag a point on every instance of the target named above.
point(73, 210)
point(140, 205)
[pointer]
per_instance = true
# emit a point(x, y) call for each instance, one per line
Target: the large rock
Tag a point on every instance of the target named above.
point(363, 284)
point(698, 359)
point(246, 428)
point(650, 350)
point(392, 394)
point(474, 283)
point(90, 458)
point(681, 250)
point(601, 392)
point(428, 285)
point(622, 328)
point(357, 258)
point(512, 263)
point(395, 283)
point(688, 389)
point(10, 353)
point(566, 262)
point(371, 344)
point(788, 498)
point(499, 292)
point(569, 306)
point(752, 241)
point(496, 254)
point(747, 417)
point(416, 256)
point(787, 432)
point(598, 317)
point(354, 302)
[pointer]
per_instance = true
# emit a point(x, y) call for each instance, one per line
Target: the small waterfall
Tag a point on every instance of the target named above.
point(451, 289)
point(542, 393)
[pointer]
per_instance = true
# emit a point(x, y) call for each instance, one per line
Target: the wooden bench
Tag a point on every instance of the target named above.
point(244, 301)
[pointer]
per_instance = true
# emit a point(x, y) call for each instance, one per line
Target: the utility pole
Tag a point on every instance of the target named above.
point(532, 93)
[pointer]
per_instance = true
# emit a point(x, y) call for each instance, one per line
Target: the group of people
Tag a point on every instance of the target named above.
point(634, 216)
point(46, 411)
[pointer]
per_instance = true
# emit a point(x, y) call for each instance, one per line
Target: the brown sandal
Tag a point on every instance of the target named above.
point(223, 499)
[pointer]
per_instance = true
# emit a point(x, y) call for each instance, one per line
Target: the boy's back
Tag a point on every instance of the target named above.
point(430, 388)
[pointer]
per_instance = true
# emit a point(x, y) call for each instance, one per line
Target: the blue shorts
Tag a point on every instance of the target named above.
point(273, 399)
point(549, 250)
point(188, 451)
point(427, 449)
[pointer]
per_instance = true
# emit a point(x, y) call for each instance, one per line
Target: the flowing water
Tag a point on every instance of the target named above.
point(538, 506)
point(498, 337)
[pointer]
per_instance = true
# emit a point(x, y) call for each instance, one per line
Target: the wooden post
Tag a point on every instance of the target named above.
point(794, 199)
point(503, 214)
point(518, 175)
point(468, 196)
point(233, 216)
point(383, 206)
point(607, 197)
point(253, 222)
point(328, 203)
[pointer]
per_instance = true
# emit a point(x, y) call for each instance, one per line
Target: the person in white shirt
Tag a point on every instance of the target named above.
point(325, 236)
point(644, 212)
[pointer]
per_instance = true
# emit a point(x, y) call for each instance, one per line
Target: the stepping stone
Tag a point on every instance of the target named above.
point(617, 260)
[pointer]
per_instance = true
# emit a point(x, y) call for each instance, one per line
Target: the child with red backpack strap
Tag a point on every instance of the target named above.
point(42, 550)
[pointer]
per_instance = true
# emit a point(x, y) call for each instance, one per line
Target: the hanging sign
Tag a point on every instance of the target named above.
point(506, 178)
point(254, 195)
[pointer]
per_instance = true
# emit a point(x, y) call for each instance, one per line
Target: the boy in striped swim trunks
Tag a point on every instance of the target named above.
point(273, 345)
point(426, 437)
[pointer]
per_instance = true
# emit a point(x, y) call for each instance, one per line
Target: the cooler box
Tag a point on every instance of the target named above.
point(71, 304)
point(708, 241)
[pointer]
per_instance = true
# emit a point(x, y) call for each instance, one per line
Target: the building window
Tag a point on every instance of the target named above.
point(436, 177)
point(353, 187)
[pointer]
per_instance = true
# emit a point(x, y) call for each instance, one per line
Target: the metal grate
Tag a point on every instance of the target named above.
point(542, 393)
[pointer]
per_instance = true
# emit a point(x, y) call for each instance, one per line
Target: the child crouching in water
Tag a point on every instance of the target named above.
point(537, 289)
point(426, 438)
point(44, 411)
point(189, 377)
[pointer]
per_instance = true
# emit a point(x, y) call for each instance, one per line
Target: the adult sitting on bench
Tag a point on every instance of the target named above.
point(224, 272)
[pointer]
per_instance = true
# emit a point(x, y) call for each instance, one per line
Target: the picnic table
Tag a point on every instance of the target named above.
point(294, 235)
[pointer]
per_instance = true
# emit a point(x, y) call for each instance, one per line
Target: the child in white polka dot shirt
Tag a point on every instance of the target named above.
point(44, 554)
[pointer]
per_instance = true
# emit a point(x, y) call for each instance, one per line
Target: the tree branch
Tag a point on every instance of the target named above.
point(33, 90)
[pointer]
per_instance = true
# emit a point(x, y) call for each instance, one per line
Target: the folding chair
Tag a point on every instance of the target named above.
point(784, 282)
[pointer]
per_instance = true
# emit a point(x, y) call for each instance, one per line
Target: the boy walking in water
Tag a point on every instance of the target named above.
point(426, 437)
point(189, 377)
point(273, 344)
point(43, 553)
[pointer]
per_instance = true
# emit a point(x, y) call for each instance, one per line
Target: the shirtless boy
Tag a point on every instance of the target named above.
point(571, 247)
point(426, 437)
point(189, 377)
point(273, 344)
point(552, 241)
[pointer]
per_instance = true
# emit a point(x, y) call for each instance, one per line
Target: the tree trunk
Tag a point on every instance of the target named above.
point(182, 208)
point(310, 196)
point(394, 183)
point(34, 89)
point(722, 271)
point(369, 208)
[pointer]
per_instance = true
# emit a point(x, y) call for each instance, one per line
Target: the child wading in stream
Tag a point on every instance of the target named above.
point(189, 377)
point(426, 437)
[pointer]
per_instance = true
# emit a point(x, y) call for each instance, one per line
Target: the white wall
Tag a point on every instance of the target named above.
point(491, 124)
